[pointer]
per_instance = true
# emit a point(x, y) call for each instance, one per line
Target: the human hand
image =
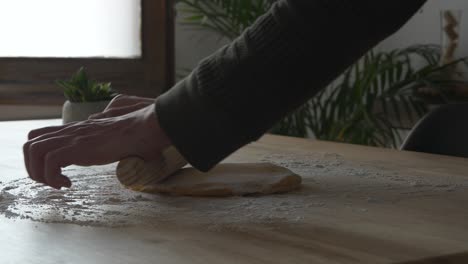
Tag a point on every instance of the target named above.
point(92, 142)
point(123, 104)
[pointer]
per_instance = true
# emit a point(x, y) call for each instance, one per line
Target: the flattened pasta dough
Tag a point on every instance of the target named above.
point(233, 179)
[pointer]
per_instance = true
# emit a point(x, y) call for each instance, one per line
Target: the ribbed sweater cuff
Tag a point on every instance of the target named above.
point(199, 131)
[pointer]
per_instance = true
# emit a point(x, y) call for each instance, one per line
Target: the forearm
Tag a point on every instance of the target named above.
point(297, 48)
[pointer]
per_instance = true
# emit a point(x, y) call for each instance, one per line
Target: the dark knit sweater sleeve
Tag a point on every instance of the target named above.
point(235, 95)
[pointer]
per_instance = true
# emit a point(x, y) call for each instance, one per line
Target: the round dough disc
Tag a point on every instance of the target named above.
point(224, 180)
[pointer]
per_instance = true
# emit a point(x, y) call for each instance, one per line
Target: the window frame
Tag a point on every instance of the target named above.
point(32, 80)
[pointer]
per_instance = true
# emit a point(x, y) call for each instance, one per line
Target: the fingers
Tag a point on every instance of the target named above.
point(36, 154)
point(35, 149)
point(84, 155)
point(45, 130)
point(41, 134)
point(53, 166)
point(118, 111)
point(57, 132)
point(48, 156)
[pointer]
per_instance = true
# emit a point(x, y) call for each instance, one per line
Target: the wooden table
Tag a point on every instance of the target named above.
point(364, 205)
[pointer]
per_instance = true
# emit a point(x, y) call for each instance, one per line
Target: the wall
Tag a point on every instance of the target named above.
point(424, 27)
point(194, 45)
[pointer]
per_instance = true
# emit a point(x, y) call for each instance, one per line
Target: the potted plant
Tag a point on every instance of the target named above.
point(84, 96)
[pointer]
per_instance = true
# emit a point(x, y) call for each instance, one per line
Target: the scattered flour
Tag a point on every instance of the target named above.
point(97, 199)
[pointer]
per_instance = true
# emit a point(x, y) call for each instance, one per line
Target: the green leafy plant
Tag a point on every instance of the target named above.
point(367, 105)
point(225, 17)
point(374, 98)
point(82, 89)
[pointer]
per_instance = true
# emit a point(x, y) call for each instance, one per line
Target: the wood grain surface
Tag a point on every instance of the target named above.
point(404, 227)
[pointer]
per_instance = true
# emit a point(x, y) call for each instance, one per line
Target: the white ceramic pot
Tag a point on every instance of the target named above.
point(72, 112)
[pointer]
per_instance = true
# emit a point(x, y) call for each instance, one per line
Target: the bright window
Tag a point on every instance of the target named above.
point(127, 42)
point(70, 28)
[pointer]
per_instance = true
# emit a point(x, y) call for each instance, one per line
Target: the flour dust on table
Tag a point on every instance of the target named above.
point(98, 199)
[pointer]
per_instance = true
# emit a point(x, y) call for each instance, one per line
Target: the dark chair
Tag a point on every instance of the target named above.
point(442, 131)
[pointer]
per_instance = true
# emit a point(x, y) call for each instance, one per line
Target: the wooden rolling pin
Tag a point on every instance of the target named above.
point(135, 173)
